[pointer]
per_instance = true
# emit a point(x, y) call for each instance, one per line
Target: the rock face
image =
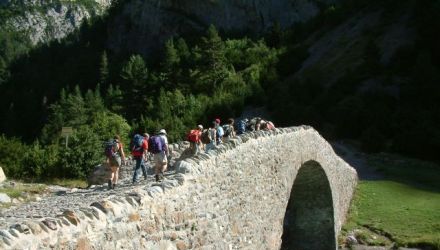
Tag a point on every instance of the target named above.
point(44, 22)
point(234, 197)
point(144, 25)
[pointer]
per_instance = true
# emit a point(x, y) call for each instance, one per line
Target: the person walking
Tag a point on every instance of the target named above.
point(194, 138)
point(229, 130)
point(115, 158)
point(219, 132)
point(139, 150)
point(159, 149)
point(212, 131)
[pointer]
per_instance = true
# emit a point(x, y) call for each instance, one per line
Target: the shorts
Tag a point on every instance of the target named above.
point(160, 158)
point(115, 161)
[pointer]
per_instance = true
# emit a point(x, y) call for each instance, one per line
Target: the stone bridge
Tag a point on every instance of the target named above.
point(283, 189)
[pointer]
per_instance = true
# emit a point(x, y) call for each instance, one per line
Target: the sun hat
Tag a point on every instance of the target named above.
point(162, 131)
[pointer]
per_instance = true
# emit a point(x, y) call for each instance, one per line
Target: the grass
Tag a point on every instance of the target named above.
point(70, 183)
point(403, 208)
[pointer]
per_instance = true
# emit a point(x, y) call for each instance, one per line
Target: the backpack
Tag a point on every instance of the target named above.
point(227, 130)
point(136, 143)
point(111, 148)
point(206, 137)
point(241, 127)
point(193, 135)
point(156, 144)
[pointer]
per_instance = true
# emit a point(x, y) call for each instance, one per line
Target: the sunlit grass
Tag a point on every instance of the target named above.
point(404, 207)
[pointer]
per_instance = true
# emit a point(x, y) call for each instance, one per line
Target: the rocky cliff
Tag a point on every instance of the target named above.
point(144, 24)
point(44, 21)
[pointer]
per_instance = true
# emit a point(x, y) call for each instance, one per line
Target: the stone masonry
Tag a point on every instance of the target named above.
point(234, 197)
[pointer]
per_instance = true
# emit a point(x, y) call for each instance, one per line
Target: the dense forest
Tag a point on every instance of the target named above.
point(78, 82)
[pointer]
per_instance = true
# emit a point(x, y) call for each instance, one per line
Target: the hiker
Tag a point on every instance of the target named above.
point(139, 150)
point(267, 125)
point(115, 158)
point(258, 124)
point(241, 126)
point(229, 130)
point(194, 138)
point(211, 133)
point(219, 131)
point(159, 148)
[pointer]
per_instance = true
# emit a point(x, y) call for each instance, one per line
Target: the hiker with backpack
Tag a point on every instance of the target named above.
point(241, 126)
point(209, 137)
point(158, 146)
point(267, 125)
point(139, 150)
point(229, 130)
point(114, 152)
point(194, 138)
point(219, 132)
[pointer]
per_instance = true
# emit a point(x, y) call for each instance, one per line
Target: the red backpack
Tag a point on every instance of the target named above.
point(193, 135)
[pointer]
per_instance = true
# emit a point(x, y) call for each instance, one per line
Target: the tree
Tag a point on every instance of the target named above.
point(4, 72)
point(213, 68)
point(170, 65)
point(113, 99)
point(135, 74)
point(103, 69)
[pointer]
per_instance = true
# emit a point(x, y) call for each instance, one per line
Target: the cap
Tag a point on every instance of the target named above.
point(217, 120)
point(162, 131)
point(200, 126)
point(146, 135)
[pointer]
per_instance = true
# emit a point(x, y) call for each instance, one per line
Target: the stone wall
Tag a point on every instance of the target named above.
point(235, 197)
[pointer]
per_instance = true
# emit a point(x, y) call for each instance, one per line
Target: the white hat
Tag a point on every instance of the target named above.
point(200, 126)
point(162, 131)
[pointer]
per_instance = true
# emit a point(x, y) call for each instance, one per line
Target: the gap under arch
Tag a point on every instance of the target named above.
point(309, 218)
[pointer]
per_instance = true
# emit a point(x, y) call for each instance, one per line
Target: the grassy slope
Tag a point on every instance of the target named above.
point(405, 208)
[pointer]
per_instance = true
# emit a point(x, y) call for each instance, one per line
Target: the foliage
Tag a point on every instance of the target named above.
point(11, 156)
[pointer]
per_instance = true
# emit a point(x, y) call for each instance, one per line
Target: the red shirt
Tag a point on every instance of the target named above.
point(138, 153)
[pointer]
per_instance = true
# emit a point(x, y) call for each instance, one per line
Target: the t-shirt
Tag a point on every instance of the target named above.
point(138, 153)
point(220, 132)
point(165, 139)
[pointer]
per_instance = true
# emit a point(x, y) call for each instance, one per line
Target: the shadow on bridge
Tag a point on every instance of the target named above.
point(309, 218)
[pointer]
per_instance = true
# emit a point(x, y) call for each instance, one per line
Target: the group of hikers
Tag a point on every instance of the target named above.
point(143, 145)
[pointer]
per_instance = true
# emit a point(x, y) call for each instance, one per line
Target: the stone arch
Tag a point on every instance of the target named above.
point(309, 217)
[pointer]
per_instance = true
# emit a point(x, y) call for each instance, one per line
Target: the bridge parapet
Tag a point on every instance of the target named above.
point(234, 197)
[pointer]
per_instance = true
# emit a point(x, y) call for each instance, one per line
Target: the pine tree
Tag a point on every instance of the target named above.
point(135, 74)
point(170, 65)
point(103, 69)
point(183, 52)
point(213, 61)
point(4, 73)
point(113, 99)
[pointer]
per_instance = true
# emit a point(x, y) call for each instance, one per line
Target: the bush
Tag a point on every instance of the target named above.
point(11, 154)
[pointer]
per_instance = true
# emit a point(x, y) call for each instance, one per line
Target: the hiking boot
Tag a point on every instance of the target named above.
point(114, 185)
point(157, 178)
point(109, 184)
point(145, 177)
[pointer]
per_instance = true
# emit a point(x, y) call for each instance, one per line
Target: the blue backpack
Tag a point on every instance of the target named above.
point(136, 143)
point(241, 127)
point(156, 144)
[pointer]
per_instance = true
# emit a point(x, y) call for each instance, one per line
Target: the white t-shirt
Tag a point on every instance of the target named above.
point(165, 139)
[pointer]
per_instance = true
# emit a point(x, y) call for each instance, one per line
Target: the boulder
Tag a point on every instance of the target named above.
point(2, 175)
point(100, 175)
point(4, 198)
